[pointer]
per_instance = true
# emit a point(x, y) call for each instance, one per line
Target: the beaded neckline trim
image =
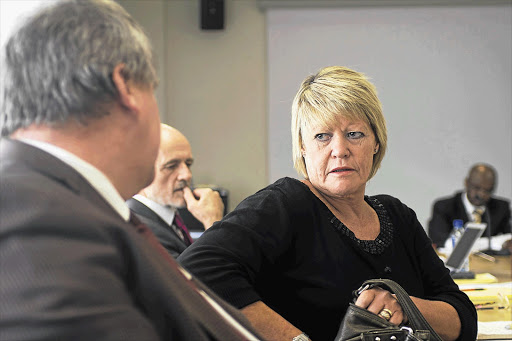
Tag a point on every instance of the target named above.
point(385, 237)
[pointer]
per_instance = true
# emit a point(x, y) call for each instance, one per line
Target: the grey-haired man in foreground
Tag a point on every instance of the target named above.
point(80, 134)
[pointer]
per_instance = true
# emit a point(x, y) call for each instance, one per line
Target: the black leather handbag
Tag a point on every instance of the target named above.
point(362, 325)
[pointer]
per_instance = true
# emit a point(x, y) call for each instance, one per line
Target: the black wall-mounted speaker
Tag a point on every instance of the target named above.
point(212, 14)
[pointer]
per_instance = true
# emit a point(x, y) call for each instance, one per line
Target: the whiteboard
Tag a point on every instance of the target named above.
point(444, 76)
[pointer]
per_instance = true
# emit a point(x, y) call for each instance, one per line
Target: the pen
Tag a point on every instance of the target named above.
point(485, 256)
point(489, 308)
point(473, 289)
point(484, 303)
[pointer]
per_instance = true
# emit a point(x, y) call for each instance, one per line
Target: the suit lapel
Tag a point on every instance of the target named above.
point(461, 209)
point(195, 303)
point(51, 167)
point(142, 210)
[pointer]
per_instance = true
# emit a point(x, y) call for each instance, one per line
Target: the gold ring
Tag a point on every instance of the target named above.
point(386, 314)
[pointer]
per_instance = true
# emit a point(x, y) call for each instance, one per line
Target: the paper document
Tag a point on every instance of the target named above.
point(500, 329)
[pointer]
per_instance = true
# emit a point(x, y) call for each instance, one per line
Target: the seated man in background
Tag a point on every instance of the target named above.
point(80, 134)
point(475, 204)
point(157, 204)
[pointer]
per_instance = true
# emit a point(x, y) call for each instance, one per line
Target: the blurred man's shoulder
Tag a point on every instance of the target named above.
point(449, 199)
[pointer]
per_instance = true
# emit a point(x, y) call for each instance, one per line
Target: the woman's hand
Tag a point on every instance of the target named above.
point(382, 303)
point(441, 315)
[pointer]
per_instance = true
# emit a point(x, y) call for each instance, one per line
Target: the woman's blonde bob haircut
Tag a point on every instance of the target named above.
point(332, 93)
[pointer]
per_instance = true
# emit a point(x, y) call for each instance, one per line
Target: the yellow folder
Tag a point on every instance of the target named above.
point(483, 278)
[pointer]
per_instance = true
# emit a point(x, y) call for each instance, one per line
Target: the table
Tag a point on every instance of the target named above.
point(501, 268)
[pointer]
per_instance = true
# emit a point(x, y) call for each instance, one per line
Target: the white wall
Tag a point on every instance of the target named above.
point(444, 76)
point(12, 12)
point(213, 88)
point(212, 84)
point(151, 15)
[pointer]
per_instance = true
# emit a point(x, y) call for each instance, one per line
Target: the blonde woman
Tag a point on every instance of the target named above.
point(290, 255)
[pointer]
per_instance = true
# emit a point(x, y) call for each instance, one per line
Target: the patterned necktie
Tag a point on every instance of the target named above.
point(477, 215)
point(178, 221)
point(205, 305)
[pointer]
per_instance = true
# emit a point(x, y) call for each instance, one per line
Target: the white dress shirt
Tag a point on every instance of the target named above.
point(167, 213)
point(470, 208)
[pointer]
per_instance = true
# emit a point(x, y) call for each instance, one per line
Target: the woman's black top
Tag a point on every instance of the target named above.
point(284, 247)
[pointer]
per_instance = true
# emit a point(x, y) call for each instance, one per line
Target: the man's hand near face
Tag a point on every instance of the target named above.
point(205, 204)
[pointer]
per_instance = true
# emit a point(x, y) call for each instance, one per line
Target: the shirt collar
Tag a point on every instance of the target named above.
point(470, 208)
point(93, 175)
point(167, 213)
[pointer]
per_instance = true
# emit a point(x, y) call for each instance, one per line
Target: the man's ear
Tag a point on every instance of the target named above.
point(124, 88)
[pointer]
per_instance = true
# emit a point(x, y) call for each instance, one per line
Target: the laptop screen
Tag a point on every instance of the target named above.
point(462, 249)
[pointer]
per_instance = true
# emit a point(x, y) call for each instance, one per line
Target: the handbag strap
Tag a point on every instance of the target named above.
point(416, 319)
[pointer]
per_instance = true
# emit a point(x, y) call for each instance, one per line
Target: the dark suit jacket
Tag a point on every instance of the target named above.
point(72, 269)
point(445, 210)
point(165, 234)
